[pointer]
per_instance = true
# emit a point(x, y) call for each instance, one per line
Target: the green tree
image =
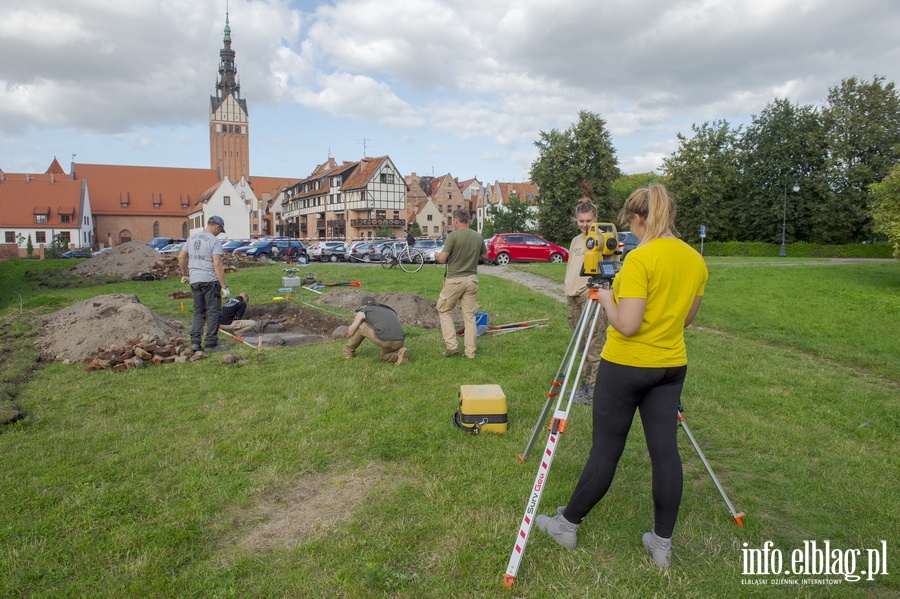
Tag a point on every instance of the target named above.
point(415, 230)
point(862, 121)
point(704, 180)
point(885, 202)
point(512, 217)
point(784, 144)
point(29, 247)
point(56, 248)
point(625, 185)
point(578, 162)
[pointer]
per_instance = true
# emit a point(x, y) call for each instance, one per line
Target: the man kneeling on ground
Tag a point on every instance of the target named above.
point(380, 325)
point(231, 319)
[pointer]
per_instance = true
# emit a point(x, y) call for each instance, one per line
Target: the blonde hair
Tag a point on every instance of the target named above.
point(655, 206)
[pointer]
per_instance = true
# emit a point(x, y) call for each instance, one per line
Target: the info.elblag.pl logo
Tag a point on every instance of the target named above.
point(813, 563)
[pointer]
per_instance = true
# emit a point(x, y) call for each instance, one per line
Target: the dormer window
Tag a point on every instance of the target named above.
point(40, 218)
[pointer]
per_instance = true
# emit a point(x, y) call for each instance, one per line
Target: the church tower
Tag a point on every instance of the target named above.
point(229, 123)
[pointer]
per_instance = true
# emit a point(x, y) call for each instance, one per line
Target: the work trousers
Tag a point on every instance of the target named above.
point(207, 308)
point(575, 304)
point(618, 392)
point(239, 327)
point(389, 349)
point(465, 291)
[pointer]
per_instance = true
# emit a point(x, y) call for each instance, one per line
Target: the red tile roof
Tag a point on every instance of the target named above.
point(24, 196)
point(143, 186)
point(361, 176)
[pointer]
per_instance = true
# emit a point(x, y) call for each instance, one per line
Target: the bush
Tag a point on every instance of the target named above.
point(799, 249)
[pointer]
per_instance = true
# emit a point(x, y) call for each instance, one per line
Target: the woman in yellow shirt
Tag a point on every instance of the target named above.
point(653, 298)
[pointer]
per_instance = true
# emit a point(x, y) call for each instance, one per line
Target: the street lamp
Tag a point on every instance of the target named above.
point(782, 253)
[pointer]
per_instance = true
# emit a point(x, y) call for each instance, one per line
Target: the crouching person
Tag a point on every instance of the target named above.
point(380, 325)
point(232, 317)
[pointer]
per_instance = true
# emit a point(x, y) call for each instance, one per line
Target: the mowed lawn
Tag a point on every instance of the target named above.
point(296, 473)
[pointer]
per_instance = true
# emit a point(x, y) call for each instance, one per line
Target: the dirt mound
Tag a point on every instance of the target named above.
point(413, 310)
point(74, 332)
point(126, 261)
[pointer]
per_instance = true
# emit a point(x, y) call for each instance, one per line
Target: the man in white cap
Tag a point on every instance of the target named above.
point(201, 265)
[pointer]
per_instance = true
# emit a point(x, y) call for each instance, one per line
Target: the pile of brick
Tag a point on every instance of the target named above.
point(137, 353)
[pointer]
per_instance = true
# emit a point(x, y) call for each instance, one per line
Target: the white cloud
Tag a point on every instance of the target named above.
point(480, 78)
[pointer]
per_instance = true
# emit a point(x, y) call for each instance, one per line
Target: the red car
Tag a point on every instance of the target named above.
point(504, 248)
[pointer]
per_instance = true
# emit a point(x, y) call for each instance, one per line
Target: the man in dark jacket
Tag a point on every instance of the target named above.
point(232, 318)
point(380, 325)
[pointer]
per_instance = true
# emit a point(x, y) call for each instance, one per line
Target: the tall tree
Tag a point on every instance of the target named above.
point(886, 208)
point(784, 145)
point(862, 120)
point(625, 185)
point(512, 217)
point(703, 179)
point(579, 161)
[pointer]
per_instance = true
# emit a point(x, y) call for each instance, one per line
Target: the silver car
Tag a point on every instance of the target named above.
point(429, 248)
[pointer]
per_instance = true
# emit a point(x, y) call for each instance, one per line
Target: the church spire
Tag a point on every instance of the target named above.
point(228, 81)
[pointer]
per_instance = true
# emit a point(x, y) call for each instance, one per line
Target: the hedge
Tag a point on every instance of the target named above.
point(799, 249)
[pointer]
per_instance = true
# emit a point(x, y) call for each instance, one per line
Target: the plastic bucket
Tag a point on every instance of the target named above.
point(481, 319)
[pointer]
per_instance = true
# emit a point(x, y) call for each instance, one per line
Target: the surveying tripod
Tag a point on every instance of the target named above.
point(562, 386)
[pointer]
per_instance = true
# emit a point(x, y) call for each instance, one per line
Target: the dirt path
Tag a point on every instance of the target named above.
point(533, 282)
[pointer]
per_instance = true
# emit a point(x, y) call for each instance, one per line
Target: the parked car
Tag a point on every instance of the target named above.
point(172, 248)
point(158, 243)
point(369, 251)
point(352, 253)
point(281, 249)
point(233, 244)
point(428, 248)
point(101, 251)
point(77, 254)
point(627, 242)
point(523, 247)
point(331, 251)
point(379, 248)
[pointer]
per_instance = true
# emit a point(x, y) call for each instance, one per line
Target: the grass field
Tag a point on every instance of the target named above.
point(298, 474)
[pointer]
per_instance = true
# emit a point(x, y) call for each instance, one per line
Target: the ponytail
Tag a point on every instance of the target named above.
point(655, 206)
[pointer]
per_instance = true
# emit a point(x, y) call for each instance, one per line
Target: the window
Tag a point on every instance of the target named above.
point(429, 217)
point(64, 236)
point(40, 237)
point(226, 200)
point(449, 195)
point(124, 205)
point(387, 177)
point(156, 205)
point(10, 237)
point(40, 218)
point(156, 229)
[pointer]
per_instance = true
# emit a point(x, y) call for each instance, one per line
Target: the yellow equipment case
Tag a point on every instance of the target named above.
point(482, 408)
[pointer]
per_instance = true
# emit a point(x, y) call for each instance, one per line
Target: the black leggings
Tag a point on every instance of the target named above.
point(618, 392)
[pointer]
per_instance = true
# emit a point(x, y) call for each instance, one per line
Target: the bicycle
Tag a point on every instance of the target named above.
point(410, 260)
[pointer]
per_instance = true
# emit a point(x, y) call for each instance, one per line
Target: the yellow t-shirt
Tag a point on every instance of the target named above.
point(669, 274)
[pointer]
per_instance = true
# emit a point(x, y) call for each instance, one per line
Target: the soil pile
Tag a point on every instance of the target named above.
point(413, 310)
point(126, 261)
point(74, 333)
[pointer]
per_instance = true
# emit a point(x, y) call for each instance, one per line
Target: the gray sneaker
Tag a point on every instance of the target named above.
point(584, 395)
point(217, 347)
point(562, 531)
point(659, 548)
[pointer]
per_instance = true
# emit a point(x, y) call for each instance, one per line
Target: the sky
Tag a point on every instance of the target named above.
point(441, 86)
